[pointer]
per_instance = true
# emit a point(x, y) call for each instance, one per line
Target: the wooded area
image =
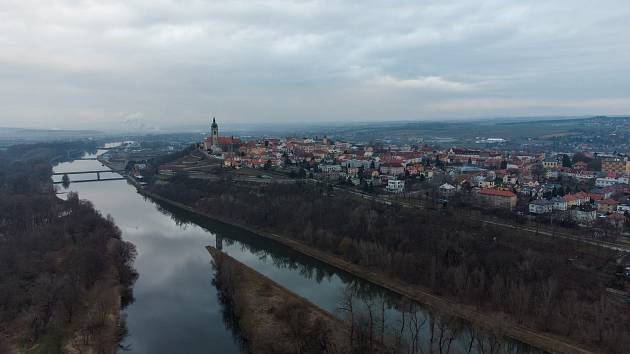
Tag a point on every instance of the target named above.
point(555, 286)
point(64, 270)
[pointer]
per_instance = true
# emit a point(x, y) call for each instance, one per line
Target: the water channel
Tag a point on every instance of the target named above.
point(176, 308)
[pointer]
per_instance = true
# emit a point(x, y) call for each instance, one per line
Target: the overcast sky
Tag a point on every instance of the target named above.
point(170, 62)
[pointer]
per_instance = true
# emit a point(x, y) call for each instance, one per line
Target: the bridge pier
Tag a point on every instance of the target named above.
point(218, 243)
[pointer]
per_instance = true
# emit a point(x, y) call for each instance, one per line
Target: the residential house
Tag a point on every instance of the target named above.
point(600, 193)
point(552, 174)
point(614, 165)
point(571, 200)
point(559, 203)
point(497, 198)
point(395, 186)
point(392, 169)
point(482, 181)
point(584, 214)
point(551, 163)
point(607, 206)
point(447, 189)
point(605, 181)
point(583, 198)
point(576, 199)
point(540, 206)
point(330, 168)
point(623, 208)
point(414, 168)
point(357, 163)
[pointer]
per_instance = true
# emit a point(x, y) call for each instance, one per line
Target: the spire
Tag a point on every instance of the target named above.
point(214, 123)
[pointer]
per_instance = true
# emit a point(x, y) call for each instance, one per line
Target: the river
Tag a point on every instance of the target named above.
point(176, 308)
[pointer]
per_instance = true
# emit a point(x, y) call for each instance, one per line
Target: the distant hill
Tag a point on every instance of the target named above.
point(9, 136)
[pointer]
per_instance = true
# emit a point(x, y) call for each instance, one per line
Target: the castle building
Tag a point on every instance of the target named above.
point(218, 144)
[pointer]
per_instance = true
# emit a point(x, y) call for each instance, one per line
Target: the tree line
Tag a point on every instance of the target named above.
point(61, 261)
point(553, 285)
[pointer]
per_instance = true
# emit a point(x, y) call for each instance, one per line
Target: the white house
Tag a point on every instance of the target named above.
point(357, 163)
point(623, 208)
point(605, 181)
point(584, 214)
point(552, 174)
point(541, 206)
point(395, 186)
point(559, 203)
point(447, 189)
point(330, 168)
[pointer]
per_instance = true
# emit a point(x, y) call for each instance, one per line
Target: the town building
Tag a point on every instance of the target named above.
point(497, 198)
point(218, 144)
point(605, 181)
point(447, 189)
point(541, 206)
point(584, 214)
point(607, 206)
point(559, 204)
point(614, 165)
point(551, 163)
point(395, 186)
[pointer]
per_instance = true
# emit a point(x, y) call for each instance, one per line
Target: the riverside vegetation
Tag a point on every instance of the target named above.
point(267, 317)
point(550, 285)
point(64, 270)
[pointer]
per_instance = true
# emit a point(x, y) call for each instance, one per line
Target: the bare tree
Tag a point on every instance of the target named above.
point(346, 306)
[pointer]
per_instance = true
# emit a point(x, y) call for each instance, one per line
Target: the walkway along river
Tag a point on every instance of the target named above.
point(176, 309)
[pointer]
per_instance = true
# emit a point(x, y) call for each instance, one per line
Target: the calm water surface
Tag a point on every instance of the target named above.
point(176, 309)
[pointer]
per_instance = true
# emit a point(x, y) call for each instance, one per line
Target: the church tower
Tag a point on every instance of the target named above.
point(214, 135)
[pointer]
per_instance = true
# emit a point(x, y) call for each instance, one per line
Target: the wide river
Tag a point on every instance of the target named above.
point(176, 308)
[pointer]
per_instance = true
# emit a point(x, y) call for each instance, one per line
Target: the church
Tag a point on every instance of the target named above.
point(217, 144)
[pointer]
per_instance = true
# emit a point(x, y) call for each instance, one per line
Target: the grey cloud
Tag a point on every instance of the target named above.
point(178, 61)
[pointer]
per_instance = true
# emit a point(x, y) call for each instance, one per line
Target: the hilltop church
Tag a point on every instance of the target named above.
point(217, 144)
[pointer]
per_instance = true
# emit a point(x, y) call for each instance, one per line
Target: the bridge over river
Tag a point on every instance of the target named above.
point(90, 172)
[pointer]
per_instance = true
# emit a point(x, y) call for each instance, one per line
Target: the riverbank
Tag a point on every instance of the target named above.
point(269, 317)
point(492, 321)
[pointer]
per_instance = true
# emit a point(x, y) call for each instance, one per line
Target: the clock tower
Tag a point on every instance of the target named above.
point(214, 135)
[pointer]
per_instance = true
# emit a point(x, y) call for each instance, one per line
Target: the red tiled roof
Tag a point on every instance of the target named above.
point(227, 140)
point(497, 192)
point(392, 164)
point(609, 202)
